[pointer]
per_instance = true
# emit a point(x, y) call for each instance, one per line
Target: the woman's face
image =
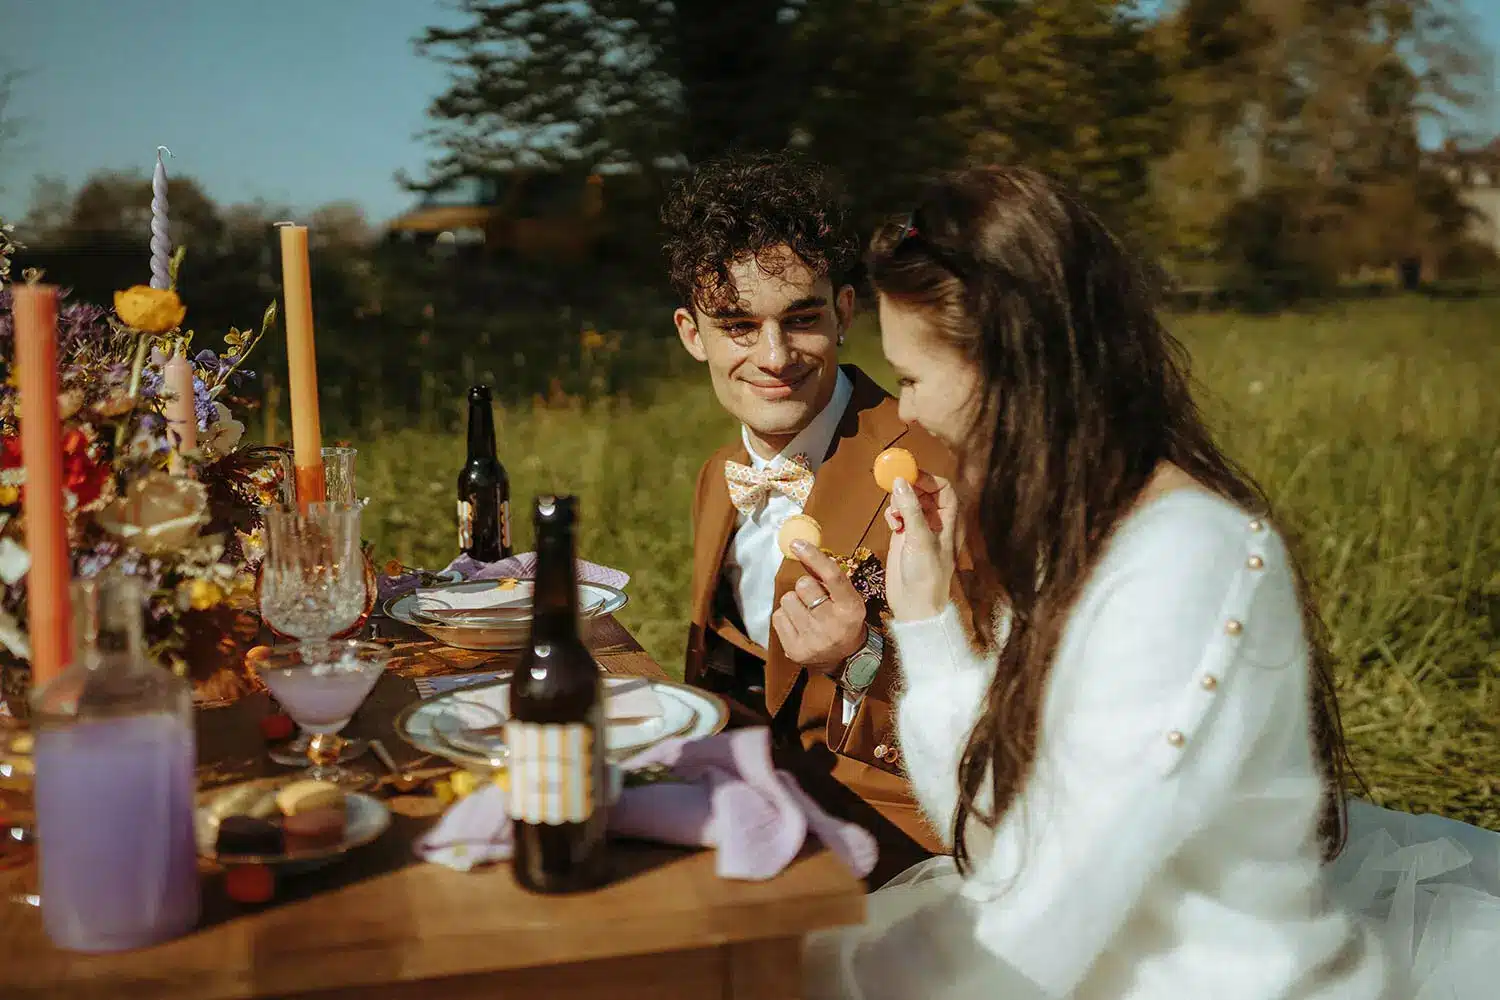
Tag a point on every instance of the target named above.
point(939, 386)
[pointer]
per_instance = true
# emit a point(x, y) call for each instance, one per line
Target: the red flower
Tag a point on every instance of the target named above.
point(83, 475)
point(10, 452)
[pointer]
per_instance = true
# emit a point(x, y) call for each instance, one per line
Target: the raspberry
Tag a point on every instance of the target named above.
point(250, 883)
point(276, 727)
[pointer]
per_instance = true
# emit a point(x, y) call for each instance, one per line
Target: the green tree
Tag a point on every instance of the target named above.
point(9, 124)
point(1300, 120)
point(1075, 88)
point(551, 83)
point(884, 90)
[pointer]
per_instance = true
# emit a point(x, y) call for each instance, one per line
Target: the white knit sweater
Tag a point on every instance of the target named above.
point(1165, 846)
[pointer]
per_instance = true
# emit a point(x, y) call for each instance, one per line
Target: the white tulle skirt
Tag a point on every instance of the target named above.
point(1430, 886)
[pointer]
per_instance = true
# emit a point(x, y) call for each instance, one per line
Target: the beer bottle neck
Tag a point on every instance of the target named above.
point(555, 602)
point(481, 429)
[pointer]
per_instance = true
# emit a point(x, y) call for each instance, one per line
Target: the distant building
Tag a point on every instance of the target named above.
point(533, 214)
point(1476, 172)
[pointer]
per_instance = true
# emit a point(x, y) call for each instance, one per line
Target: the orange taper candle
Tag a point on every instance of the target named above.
point(49, 619)
point(302, 366)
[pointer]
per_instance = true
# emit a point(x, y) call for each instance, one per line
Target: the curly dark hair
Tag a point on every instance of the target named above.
point(739, 206)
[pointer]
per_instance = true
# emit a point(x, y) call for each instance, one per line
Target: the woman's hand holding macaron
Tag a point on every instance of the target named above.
point(923, 516)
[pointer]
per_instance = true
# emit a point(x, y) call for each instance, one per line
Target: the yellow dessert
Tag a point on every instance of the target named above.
point(799, 527)
point(306, 795)
point(893, 464)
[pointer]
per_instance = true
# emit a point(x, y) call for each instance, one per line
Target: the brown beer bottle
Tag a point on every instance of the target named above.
point(555, 734)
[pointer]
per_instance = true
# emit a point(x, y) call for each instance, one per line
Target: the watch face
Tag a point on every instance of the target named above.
point(862, 670)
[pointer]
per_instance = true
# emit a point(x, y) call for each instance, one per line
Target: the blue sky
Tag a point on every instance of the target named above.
point(299, 102)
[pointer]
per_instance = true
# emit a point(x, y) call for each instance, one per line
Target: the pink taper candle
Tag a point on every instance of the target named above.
point(182, 417)
point(49, 619)
point(302, 366)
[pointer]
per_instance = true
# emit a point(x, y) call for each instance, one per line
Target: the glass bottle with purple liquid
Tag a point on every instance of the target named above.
point(115, 756)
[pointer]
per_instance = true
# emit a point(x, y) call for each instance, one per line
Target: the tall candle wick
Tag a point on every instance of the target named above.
point(161, 237)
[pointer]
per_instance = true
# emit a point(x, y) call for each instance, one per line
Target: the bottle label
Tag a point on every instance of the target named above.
point(465, 525)
point(551, 772)
point(505, 526)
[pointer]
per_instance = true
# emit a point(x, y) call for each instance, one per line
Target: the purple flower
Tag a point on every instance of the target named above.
point(203, 407)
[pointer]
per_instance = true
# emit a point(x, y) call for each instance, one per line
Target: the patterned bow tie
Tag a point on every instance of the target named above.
point(748, 487)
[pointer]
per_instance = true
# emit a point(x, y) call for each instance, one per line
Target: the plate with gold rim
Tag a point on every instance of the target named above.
point(464, 725)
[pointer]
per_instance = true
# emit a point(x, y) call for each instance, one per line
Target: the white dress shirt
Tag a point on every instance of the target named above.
point(753, 558)
point(1163, 848)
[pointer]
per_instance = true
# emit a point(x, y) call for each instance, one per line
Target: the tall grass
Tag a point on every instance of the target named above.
point(1374, 426)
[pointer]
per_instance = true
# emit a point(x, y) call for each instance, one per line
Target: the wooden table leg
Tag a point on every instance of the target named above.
point(770, 969)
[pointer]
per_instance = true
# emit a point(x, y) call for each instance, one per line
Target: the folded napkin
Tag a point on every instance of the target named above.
point(519, 567)
point(479, 598)
point(626, 699)
point(523, 567)
point(721, 792)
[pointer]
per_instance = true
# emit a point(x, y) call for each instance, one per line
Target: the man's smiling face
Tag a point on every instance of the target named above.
point(771, 343)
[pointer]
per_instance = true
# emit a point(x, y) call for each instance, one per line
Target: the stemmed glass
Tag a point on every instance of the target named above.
point(312, 586)
point(17, 813)
point(321, 684)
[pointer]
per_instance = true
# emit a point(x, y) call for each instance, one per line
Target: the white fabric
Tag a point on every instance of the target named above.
point(1433, 884)
point(1164, 847)
point(753, 558)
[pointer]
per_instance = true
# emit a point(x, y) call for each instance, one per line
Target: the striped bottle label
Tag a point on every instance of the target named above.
point(551, 772)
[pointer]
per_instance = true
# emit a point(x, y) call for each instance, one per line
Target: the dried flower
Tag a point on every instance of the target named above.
point(150, 310)
point(85, 474)
point(69, 403)
point(223, 432)
point(158, 513)
point(116, 404)
point(201, 595)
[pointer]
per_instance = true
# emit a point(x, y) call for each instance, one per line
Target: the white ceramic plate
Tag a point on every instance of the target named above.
point(462, 725)
point(601, 599)
point(366, 819)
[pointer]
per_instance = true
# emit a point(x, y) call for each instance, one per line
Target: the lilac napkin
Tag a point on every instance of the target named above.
point(721, 792)
point(520, 567)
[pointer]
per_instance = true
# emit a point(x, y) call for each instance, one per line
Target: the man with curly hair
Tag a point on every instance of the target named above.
point(761, 254)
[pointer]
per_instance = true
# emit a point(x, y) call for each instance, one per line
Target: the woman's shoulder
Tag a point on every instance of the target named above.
point(1188, 532)
point(1189, 565)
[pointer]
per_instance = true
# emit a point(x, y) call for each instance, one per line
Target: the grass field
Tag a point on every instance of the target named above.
point(1374, 426)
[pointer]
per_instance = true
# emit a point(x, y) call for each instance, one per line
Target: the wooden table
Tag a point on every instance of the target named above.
point(382, 924)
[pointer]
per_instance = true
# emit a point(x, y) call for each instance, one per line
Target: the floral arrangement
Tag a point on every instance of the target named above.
point(190, 536)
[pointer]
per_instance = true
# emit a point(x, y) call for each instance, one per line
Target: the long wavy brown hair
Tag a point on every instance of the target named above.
point(1085, 396)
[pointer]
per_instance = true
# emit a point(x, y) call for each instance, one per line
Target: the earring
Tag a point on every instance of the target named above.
point(841, 340)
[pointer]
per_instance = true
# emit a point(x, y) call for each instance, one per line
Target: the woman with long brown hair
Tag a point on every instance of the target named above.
point(1133, 748)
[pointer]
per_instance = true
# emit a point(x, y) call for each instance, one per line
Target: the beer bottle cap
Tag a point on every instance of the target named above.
point(555, 511)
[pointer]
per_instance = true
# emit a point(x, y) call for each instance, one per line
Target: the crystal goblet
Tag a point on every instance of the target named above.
point(313, 586)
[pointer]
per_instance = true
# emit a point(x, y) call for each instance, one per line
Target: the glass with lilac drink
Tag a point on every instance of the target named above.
point(115, 757)
point(315, 583)
point(321, 684)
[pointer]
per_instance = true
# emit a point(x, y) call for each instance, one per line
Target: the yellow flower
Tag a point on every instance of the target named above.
point(592, 339)
point(9, 495)
point(204, 594)
point(150, 310)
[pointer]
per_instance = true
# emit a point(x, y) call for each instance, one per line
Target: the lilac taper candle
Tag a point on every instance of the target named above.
point(161, 237)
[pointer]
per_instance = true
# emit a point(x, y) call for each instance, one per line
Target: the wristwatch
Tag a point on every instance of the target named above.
point(861, 668)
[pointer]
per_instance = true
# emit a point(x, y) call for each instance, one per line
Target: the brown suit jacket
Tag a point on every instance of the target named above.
point(855, 770)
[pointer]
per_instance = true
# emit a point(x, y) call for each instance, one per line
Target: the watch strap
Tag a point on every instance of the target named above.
point(874, 647)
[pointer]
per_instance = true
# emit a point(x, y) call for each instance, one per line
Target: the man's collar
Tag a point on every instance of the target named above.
point(814, 439)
